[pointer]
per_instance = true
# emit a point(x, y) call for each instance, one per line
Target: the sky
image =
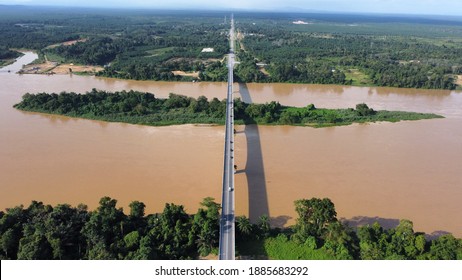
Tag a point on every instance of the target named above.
point(428, 7)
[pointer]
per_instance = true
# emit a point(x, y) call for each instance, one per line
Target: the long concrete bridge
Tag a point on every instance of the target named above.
point(227, 222)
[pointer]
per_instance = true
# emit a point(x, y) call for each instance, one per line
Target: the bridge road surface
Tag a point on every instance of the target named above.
point(227, 226)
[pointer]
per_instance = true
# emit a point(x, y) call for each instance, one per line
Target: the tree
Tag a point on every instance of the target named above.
point(11, 226)
point(136, 219)
point(341, 241)
point(402, 242)
point(34, 246)
point(63, 230)
point(264, 225)
point(104, 230)
point(446, 247)
point(315, 215)
point(244, 227)
point(172, 234)
point(137, 209)
point(206, 226)
point(372, 242)
point(132, 242)
point(364, 110)
point(147, 249)
point(8, 242)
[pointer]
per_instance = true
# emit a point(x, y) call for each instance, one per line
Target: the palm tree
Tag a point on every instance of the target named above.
point(244, 225)
point(203, 244)
point(264, 225)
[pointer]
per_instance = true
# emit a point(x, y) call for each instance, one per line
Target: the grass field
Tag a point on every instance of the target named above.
point(280, 248)
point(358, 77)
point(161, 51)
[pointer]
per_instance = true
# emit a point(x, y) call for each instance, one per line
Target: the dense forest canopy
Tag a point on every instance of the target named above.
point(144, 108)
point(398, 51)
point(7, 55)
point(61, 232)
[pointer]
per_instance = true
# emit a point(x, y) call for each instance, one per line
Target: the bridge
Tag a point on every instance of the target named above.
point(227, 225)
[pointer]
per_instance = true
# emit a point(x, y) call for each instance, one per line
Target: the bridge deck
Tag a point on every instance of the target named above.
point(227, 225)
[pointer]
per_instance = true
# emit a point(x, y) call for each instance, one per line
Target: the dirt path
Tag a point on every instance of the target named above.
point(239, 37)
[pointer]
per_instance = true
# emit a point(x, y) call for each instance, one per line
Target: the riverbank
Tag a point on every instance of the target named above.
point(53, 65)
point(108, 233)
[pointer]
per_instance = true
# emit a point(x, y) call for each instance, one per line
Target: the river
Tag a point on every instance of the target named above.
point(380, 171)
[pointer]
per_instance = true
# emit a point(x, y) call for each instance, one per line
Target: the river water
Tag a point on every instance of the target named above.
point(379, 171)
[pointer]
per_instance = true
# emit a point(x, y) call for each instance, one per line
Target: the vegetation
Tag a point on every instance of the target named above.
point(130, 44)
point(64, 232)
point(405, 51)
point(7, 56)
point(313, 58)
point(144, 108)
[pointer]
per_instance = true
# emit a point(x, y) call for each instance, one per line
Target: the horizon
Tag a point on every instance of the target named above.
point(381, 7)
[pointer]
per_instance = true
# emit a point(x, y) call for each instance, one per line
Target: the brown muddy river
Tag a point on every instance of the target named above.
point(381, 171)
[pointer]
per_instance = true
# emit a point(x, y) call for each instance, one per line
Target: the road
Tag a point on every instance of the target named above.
point(227, 225)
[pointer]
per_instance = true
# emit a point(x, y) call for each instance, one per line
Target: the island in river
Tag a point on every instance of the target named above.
point(144, 108)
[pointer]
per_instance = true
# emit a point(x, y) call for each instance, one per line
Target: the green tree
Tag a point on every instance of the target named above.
point(206, 226)
point(264, 225)
point(373, 242)
point(63, 230)
point(147, 249)
point(402, 243)
point(136, 220)
point(341, 241)
point(132, 239)
point(446, 247)
point(11, 226)
point(364, 110)
point(9, 242)
point(172, 234)
point(314, 217)
point(34, 246)
point(104, 230)
point(244, 227)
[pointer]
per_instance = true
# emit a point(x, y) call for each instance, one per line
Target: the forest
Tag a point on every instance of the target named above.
point(64, 232)
point(326, 49)
point(7, 55)
point(300, 53)
point(145, 109)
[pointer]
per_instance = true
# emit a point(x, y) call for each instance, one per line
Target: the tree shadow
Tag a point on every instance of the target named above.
point(359, 221)
point(436, 234)
point(254, 168)
point(279, 221)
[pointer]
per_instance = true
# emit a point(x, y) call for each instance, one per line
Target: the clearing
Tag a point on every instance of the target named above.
point(358, 77)
point(186, 74)
point(67, 43)
point(70, 68)
point(458, 80)
point(52, 65)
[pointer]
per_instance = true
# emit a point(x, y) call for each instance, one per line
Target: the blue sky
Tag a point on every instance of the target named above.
point(438, 7)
